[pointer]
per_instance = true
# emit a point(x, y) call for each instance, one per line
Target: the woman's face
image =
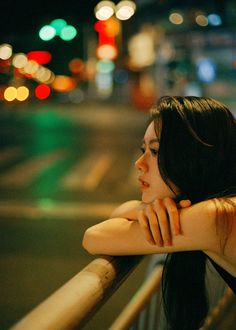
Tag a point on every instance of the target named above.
point(151, 183)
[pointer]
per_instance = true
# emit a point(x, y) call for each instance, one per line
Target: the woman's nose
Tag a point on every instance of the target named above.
point(140, 164)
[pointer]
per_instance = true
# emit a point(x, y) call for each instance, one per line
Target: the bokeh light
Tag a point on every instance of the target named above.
point(22, 93)
point(10, 94)
point(105, 66)
point(68, 33)
point(201, 20)
point(58, 24)
point(206, 70)
point(47, 33)
point(76, 65)
point(104, 10)
point(214, 19)
point(63, 83)
point(107, 52)
point(41, 57)
point(19, 60)
point(5, 51)
point(125, 9)
point(176, 18)
point(31, 68)
point(44, 75)
point(42, 91)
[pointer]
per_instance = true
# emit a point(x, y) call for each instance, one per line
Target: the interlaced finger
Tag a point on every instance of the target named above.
point(163, 221)
point(154, 225)
point(173, 215)
point(144, 225)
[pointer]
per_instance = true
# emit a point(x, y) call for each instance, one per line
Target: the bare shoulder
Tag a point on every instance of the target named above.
point(230, 225)
point(207, 212)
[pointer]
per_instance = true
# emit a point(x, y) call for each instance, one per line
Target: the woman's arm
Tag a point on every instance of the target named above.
point(122, 237)
point(158, 220)
point(127, 210)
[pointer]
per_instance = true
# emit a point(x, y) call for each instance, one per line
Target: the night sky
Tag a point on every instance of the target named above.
point(24, 16)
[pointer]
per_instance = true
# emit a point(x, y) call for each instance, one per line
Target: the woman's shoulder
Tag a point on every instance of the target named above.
point(222, 214)
point(212, 208)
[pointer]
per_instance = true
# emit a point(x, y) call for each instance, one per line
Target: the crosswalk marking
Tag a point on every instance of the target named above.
point(9, 154)
point(97, 172)
point(88, 172)
point(22, 174)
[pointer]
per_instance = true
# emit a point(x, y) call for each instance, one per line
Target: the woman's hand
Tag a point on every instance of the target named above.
point(159, 220)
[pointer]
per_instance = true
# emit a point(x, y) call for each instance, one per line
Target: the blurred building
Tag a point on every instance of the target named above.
point(134, 52)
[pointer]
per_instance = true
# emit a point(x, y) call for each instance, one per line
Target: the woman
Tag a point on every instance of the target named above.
point(188, 154)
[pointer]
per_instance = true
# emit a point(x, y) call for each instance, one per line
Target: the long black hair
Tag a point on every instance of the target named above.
point(197, 154)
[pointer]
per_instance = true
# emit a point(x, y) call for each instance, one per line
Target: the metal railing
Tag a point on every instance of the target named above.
point(72, 305)
point(76, 301)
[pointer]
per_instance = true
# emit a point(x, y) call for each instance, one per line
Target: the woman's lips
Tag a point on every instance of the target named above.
point(143, 184)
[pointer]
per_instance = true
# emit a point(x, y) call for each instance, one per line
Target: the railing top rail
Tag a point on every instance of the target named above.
point(78, 299)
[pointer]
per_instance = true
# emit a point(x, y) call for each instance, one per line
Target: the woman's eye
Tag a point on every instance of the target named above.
point(142, 150)
point(154, 152)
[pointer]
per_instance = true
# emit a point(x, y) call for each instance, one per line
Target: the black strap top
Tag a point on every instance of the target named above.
point(228, 278)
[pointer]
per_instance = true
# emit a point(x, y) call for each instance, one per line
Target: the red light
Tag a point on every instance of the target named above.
point(42, 91)
point(110, 27)
point(107, 31)
point(40, 56)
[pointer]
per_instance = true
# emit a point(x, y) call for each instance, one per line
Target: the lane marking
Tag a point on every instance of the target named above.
point(73, 179)
point(61, 210)
point(22, 174)
point(97, 172)
point(88, 172)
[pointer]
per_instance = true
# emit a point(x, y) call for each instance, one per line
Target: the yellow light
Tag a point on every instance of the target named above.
point(10, 93)
point(176, 18)
point(19, 61)
point(104, 10)
point(44, 75)
point(31, 67)
point(125, 9)
point(5, 51)
point(202, 20)
point(22, 93)
point(63, 84)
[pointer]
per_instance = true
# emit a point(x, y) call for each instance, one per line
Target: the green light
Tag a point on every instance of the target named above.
point(47, 33)
point(46, 204)
point(68, 33)
point(58, 24)
point(105, 66)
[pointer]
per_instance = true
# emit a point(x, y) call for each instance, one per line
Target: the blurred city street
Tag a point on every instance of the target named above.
point(60, 172)
point(76, 83)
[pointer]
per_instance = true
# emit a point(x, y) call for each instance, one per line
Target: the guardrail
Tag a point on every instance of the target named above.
point(72, 305)
point(77, 300)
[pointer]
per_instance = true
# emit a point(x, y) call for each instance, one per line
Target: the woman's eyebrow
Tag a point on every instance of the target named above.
point(151, 141)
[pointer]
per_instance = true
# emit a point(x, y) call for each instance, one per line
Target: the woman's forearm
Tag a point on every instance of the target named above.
point(127, 210)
